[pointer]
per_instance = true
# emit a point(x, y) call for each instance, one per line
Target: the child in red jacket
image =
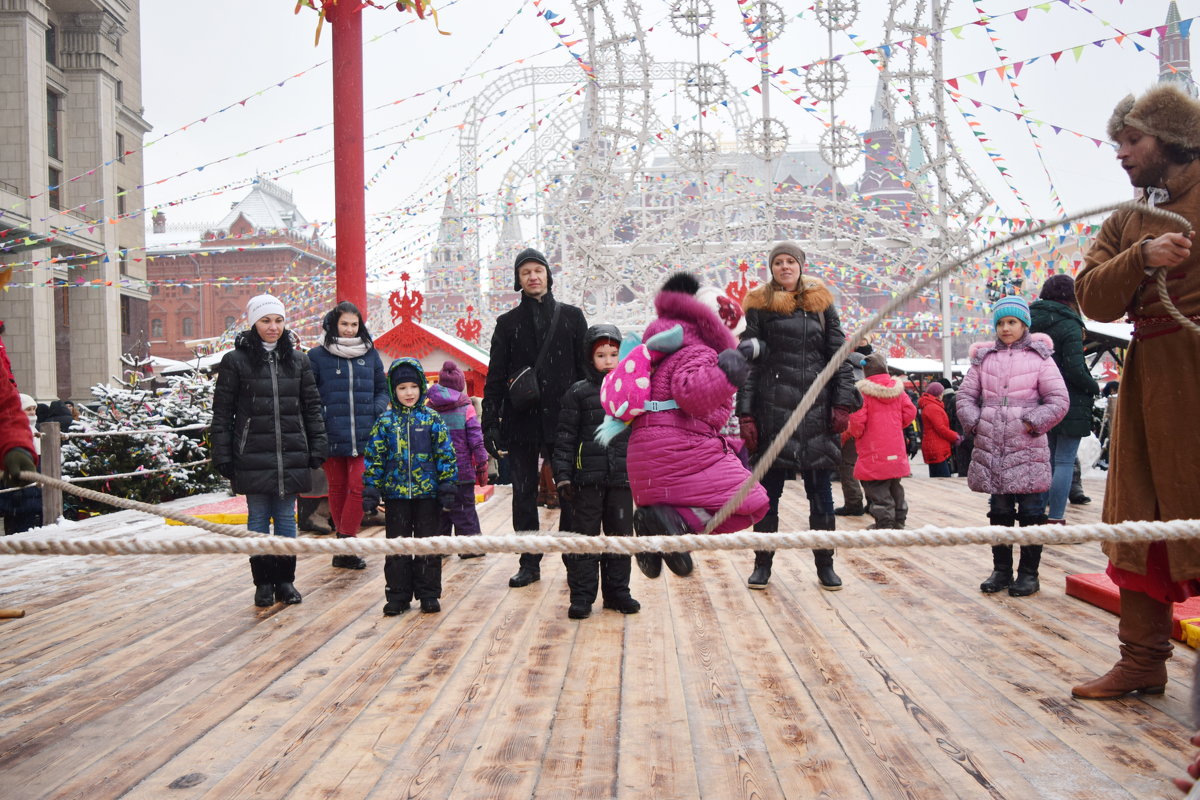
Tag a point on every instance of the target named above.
point(879, 428)
point(937, 439)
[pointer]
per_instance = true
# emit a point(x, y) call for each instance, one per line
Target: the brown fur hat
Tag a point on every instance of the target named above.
point(1163, 112)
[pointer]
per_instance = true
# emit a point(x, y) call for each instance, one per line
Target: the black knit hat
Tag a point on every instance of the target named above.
point(1059, 288)
point(530, 254)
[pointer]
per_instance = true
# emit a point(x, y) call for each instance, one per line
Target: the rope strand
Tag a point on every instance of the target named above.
point(929, 536)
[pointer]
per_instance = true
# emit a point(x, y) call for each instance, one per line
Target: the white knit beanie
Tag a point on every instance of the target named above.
point(262, 305)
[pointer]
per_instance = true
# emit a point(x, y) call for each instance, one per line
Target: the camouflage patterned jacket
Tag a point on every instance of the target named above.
point(409, 452)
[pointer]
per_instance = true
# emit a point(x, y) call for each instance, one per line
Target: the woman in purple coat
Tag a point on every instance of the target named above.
point(681, 469)
point(1012, 394)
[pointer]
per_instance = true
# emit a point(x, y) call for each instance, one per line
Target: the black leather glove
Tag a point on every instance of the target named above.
point(447, 495)
point(315, 462)
point(734, 365)
point(370, 499)
point(16, 461)
point(491, 442)
point(225, 469)
point(566, 491)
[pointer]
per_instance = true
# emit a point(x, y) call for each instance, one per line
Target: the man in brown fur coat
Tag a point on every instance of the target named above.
point(1156, 434)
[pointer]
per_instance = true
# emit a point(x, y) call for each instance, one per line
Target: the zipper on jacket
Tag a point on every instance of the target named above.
point(278, 433)
point(353, 434)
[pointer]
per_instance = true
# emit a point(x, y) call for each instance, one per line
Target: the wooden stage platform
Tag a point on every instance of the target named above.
point(156, 677)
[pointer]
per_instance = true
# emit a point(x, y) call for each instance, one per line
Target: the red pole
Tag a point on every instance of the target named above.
point(345, 20)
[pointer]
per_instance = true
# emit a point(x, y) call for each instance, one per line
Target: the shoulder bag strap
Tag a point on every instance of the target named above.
point(537, 365)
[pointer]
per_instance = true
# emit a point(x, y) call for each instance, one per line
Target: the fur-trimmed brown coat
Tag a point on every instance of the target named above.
point(802, 332)
point(1155, 450)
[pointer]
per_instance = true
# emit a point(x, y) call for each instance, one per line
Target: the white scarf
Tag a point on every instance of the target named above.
point(353, 347)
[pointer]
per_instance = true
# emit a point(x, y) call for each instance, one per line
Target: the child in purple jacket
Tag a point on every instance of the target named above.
point(1012, 394)
point(448, 397)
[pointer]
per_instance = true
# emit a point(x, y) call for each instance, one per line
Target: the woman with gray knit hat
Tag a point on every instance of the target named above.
point(267, 434)
point(794, 315)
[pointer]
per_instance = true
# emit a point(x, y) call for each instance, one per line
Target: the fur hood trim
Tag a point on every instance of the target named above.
point(881, 387)
point(814, 295)
point(696, 318)
point(1039, 343)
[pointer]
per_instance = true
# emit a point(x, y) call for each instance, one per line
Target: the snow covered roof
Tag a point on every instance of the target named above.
point(268, 206)
point(923, 366)
point(1121, 331)
point(201, 364)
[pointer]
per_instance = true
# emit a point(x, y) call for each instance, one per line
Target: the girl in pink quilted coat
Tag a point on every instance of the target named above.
point(1012, 394)
point(681, 469)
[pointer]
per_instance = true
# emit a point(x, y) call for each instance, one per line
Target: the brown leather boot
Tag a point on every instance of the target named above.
point(1145, 634)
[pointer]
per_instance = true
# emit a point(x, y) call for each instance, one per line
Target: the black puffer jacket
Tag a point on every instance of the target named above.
point(267, 417)
point(515, 342)
point(1065, 327)
point(802, 332)
point(578, 457)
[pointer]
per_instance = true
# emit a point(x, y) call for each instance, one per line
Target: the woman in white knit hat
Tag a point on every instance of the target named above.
point(267, 433)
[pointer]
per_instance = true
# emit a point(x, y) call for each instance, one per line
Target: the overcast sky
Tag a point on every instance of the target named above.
point(201, 57)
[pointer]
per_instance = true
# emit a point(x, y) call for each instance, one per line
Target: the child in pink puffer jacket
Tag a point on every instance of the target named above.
point(878, 428)
point(1012, 394)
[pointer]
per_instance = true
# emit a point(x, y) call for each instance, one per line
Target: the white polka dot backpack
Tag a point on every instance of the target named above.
point(625, 392)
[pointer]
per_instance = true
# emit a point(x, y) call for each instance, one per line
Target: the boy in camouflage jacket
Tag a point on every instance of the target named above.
point(411, 465)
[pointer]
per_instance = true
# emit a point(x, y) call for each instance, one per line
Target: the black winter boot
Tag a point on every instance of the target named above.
point(1002, 571)
point(614, 584)
point(1027, 572)
point(348, 561)
point(762, 558)
point(583, 580)
point(262, 569)
point(849, 510)
point(762, 569)
point(285, 574)
point(398, 584)
point(662, 521)
point(529, 571)
point(305, 508)
point(828, 579)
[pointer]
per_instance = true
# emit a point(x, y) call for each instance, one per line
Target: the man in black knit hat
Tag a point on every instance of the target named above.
point(538, 325)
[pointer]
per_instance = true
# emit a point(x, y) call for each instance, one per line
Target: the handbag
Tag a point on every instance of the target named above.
point(524, 391)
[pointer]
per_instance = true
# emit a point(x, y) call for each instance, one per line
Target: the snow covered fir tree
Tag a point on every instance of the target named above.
point(168, 458)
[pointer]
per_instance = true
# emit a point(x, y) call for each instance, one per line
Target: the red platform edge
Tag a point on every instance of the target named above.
point(1101, 592)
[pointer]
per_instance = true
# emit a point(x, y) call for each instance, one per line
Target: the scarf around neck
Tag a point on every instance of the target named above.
point(353, 347)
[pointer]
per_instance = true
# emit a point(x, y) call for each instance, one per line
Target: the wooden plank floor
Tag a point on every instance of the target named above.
point(151, 677)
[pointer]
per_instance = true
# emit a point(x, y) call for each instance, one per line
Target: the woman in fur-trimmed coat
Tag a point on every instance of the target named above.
point(793, 315)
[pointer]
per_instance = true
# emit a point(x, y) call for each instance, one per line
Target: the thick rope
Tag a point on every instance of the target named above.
point(835, 362)
point(122, 502)
point(625, 545)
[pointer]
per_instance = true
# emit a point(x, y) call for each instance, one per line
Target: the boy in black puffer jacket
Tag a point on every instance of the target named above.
point(594, 481)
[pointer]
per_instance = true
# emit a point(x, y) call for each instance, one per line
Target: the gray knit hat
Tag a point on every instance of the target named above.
point(791, 248)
